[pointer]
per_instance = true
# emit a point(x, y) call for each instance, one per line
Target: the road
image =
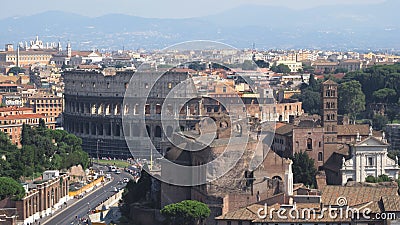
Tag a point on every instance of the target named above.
point(81, 208)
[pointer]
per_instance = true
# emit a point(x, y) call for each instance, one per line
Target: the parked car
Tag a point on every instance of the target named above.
point(126, 180)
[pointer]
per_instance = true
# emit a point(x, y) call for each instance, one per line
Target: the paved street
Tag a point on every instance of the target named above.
point(81, 207)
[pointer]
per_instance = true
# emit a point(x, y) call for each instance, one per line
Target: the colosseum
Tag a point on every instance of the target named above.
point(94, 110)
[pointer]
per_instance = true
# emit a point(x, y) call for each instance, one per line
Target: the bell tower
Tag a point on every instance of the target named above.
point(329, 117)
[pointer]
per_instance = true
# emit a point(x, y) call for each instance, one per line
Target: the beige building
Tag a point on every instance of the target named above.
point(44, 103)
point(293, 65)
point(26, 58)
point(13, 118)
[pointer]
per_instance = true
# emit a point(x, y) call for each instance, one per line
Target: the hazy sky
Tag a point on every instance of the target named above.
point(153, 8)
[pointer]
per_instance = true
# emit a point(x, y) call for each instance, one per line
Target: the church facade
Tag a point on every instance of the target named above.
point(369, 158)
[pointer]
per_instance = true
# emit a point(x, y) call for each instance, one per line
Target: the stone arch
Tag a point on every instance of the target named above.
point(135, 130)
point(157, 132)
point(117, 109)
point(108, 109)
point(148, 129)
point(276, 177)
point(169, 131)
point(100, 109)
point(126, 109)
point(93, 109)
point(224, 124)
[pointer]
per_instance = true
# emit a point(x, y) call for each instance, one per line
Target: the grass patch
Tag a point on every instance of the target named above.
point(117, 163)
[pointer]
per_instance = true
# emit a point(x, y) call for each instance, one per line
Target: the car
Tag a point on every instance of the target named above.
point(126, 180)
point(115, 189)
point(108, 176)
point(117, 172)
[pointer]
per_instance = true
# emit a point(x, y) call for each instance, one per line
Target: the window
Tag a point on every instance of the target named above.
point(319, 144)
point(370, 161)
point(224, 89)
point(320, 156)
point(157, 132)
point(228, 223)
point(309, 144)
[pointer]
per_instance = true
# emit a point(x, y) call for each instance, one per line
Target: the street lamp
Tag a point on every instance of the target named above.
point(97, 149)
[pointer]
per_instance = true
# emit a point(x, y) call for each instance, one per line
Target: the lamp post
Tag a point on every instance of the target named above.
point(97, 149)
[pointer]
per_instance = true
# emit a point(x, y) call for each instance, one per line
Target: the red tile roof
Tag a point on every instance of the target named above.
point(22, 116)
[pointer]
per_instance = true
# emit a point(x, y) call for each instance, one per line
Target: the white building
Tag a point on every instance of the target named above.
point(369, 158)
point(293, 65)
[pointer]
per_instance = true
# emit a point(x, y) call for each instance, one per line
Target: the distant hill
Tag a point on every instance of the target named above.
point(328, 27)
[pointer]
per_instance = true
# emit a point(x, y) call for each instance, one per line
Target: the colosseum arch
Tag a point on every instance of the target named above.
point(126, 109)
point(93, 109)
point(117, 109)
point(100, 109)
point(108, 109)
point(157, 132)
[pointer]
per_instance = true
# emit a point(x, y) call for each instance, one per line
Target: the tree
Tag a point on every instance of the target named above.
point(281, 68)
point(341, 70)
point(188, 212)
point(42, 123)
point(262, 64)
point(16, 70)
point(385, 95)
point(379, 122)
point(303, 169)
point(311, 101)
point(351, 99)
point(370, 179)
point(9, 188)
point(393, 153)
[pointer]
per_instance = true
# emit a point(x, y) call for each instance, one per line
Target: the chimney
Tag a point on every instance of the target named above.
point(321, 180)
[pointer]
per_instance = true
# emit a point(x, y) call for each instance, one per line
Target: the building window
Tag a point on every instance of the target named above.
point(370, 161)
point(320, 156)
point(169, 85)
point(319, 144)
point(228, 223)
point(108, 85)
point(309, 144)
point(157, 132)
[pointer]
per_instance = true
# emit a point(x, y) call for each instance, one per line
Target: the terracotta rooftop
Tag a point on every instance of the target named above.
point(352, 129)
point(22, 116)
point(391, 203)
point(356, 195)
point(13, 108)
point(284, 130)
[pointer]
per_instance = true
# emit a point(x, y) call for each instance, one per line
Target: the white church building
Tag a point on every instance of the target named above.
point(369, 158)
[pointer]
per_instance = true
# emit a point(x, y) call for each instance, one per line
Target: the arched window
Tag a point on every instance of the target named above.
point(157, 132)
point(169, 131)
point(309, 143)
point(320, 156)
point(148, 130)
